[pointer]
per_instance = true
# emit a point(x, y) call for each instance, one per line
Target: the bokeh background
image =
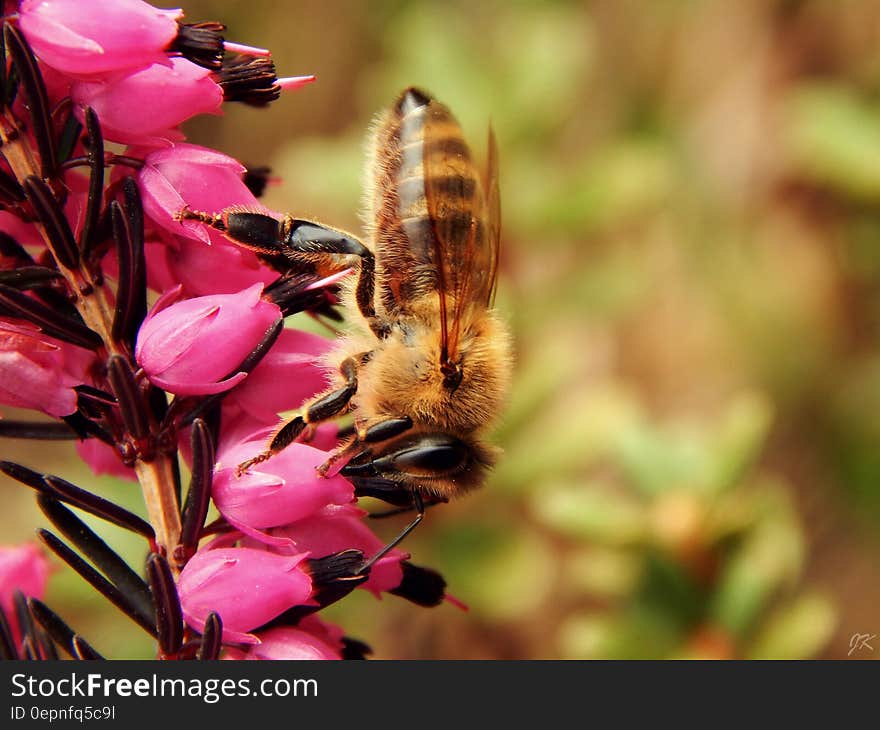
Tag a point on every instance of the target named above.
point(691, 268)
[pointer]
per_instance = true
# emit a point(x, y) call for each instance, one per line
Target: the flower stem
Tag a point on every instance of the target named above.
point(157, 484)
point(91, 299)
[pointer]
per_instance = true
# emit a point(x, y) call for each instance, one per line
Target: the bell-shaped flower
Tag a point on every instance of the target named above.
point(104, 459)
point(246, 587)
point(101, 36)
point(193, 347)
point(286, 642)
point(220, 268)
point(296, 361)
point(339, 527)
point(282, 489)
point(40, 372)
point(145, 107)
point(160, 276)
point(189, 176)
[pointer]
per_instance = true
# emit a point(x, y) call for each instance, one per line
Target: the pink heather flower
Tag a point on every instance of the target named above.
point(83, 39)
point(246, 587)
point(159, 275)
point(221, 268)
point(339, 527)
point(40, 372)
point(145, 107)
point(199, 178)
point(22, 568)
point(283, 489)
point(190, 347)
point(57, 86)
point(290, 643)
point(289, 374)
point(103, 459)
point(25, 233)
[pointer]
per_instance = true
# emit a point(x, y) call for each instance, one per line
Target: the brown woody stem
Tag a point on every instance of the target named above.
point(154, 472)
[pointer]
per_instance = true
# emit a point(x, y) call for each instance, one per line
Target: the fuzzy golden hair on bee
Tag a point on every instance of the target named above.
point(426, 370)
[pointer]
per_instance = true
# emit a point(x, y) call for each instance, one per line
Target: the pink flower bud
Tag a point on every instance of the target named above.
point(290, 643)
point(246, 587)
point(290, 373)
point(187, 175)
point(221, 268)
point(327, 632)
point(146, 106)
point(340, 527)
point(283, 489)
point(22, 568)
point(37, 371)
point(191, 347)
point(104, 459)
point(159, 274)
point(98, 37)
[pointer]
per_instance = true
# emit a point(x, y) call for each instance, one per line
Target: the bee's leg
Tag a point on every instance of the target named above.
point(289, 236)
point(419, 506)
point(379, 431)
point(385, 429)
point(322, 409)
point(254, 231)
point(310, 238)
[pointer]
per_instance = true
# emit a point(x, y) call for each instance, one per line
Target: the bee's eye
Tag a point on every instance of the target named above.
point(430, 457)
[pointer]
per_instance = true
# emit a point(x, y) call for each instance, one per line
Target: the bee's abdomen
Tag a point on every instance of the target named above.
point(426, 203)
point(433, 187)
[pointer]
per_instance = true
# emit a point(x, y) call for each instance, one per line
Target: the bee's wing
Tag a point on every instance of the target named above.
point(463, 218)
point(493, 219)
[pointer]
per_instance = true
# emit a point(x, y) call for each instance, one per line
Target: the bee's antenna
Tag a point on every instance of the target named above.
point(419, 505)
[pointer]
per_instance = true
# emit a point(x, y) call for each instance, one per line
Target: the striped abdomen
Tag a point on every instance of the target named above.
point(427, 200)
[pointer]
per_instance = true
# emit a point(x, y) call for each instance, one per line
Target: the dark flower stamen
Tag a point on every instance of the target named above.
point(422, 586)
point(105, 559)
point(256, 179)
point(131, 405)
point(58, 234)
point(211, 643)
point(199, 496)
point(26, 66)
point(96, 580)
point(201, 43)
point(8, 649)
point(169, 618)
point(15, 304)
point(84, 651)
point(60, 632)
point(28, 277)
point(128, 233)
point(249, 80)
point(36, 430)
point(10, 191)
point(94, 144)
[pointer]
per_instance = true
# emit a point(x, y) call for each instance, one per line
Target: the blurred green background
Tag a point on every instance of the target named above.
point(691, 267)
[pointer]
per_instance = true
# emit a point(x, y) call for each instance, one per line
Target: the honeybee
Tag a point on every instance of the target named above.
point(428, 370)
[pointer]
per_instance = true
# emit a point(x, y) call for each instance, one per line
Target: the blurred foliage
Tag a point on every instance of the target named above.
point(691, 267)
